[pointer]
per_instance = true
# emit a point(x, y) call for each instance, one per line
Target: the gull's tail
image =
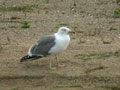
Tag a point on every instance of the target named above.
point(27, 57)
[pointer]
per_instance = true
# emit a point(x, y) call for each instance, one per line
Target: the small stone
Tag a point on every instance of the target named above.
point(107, 40)
point(82, 40)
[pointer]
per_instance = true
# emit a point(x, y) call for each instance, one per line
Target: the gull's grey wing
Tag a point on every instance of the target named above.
point(43, 46)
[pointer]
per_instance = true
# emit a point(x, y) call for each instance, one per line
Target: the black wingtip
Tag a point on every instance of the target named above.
point(21, 60)
point(27, 57)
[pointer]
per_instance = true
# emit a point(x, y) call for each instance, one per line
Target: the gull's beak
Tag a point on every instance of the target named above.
point(71, 31)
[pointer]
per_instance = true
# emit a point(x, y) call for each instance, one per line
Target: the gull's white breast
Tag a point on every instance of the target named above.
point(62, 41)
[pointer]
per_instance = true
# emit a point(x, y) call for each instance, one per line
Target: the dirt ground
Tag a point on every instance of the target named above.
point(96, 33)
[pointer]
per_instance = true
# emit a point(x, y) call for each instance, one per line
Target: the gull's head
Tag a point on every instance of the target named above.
point(63, 30)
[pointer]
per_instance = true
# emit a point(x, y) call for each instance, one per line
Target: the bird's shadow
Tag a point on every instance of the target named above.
point(35, 66)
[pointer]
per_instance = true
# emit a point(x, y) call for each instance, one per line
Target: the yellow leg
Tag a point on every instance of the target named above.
point(50, 64)
point(58, 64)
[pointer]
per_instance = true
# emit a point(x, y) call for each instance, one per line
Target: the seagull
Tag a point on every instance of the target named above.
point(49, 45)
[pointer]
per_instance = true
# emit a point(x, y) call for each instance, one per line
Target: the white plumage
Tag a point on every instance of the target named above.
point(49, 45)
point(62, 41)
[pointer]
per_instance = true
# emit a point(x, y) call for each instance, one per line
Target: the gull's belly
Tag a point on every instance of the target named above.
point(61, 45)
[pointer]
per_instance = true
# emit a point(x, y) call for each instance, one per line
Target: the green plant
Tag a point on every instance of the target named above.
point(25, 24)
point(8, 39)
point(95, 68)
point(90, 56)
point(118, 1)
point(113, 87)
point(67, 86)
point(116, 13)
point(12, 27)
point(112, 28)
point(1, 48)
point(26, 8)
point(14, 89)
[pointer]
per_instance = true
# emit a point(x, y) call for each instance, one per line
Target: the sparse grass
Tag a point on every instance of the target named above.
point(116, 13)
point(14, 17)
point(68, 86)
point(25, 24)
point(118, 1)
point(26, 8)
point(14, 89)
point(94, 69)
point(1, 48)
point(8, 39)
point(90, 56)
point(112, 87)
point(112, 28)
point(10, 21)
point(63, 24)
point(12, 27)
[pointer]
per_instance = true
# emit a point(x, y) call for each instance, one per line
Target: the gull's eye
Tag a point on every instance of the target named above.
point(64, 29)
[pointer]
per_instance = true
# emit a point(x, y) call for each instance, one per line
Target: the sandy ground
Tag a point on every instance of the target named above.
point(95, 31)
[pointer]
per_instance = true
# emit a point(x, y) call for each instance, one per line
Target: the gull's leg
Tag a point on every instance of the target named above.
point(58, 64)
point(50, 64)
point(56, 58)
